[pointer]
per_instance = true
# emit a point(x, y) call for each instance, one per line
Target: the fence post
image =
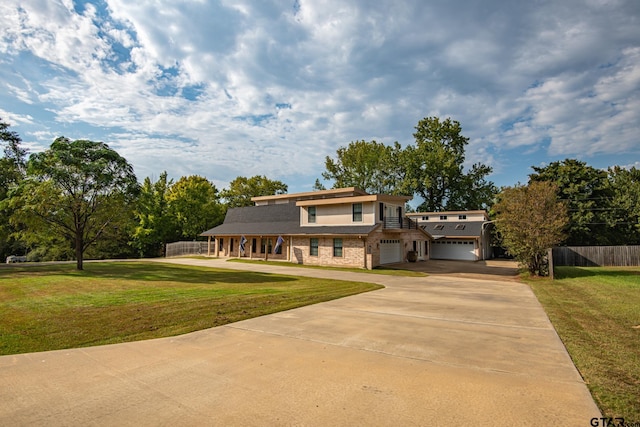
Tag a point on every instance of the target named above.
point(550, 262)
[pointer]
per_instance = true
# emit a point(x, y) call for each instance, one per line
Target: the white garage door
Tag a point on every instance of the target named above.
point(390, 251)
point(462, 250)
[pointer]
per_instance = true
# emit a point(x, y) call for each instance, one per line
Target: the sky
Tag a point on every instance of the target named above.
point(232, 88)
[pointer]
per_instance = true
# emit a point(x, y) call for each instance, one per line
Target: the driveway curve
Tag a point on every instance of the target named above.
point(435, 350)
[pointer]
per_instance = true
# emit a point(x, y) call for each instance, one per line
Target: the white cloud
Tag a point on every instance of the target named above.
point(241, 88)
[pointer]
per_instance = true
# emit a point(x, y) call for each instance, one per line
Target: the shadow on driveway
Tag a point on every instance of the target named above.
point(494, 269)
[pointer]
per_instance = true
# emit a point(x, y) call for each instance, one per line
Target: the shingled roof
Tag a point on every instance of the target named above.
point(461, 229)
point(275, 220)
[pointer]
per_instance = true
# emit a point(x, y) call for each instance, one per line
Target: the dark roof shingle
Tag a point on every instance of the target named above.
point(453, 229)
point(274, 220)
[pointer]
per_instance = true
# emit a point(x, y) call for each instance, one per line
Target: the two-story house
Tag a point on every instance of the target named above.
point(456, 235)
point(341, 227)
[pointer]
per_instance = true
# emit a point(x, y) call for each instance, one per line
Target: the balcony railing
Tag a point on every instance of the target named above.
point(400, 224)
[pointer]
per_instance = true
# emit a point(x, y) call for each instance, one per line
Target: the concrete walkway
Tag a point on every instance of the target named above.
point(423, 351)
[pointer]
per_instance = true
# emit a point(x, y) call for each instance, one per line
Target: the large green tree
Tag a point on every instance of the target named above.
point(75, 190)
point(155, 223)
point(435, 169)
point(195, 206)
point(588, 196)
point(530, 220)
point(624, 208)
point(12, 172)
point(368, 165)
point(242, 189)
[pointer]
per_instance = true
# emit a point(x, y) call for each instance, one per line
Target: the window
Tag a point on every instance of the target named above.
point(311, 214)
point(425, 218)
point(337, 247)
point(254, 245)
point(356, 210)
point(460, 227)
point(265, 245)
point(313, 246)
point(443, 217)
point(462, 217)
point(438, 227)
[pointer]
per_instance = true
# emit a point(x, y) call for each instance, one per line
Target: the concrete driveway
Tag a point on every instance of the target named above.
point(438, 350)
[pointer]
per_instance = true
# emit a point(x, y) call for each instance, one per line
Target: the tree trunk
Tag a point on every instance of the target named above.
point(79, 251)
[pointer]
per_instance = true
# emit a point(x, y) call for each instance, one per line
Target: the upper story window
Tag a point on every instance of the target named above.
point(443, 217)
point(356, 210)
point(425, 218)
point(462, 216)
point(311, 214)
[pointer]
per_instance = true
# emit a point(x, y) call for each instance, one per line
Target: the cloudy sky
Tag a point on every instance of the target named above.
point(227, 88)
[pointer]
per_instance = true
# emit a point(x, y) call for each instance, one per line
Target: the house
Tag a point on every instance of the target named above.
point(341, 227)
point(456, 235)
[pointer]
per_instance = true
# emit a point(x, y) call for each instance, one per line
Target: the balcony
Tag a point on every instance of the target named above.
point(400, 224)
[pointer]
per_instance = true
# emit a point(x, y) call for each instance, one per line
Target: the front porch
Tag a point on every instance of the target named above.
point(251, 247)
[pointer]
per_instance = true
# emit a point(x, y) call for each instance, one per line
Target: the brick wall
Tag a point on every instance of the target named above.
point(352, 252)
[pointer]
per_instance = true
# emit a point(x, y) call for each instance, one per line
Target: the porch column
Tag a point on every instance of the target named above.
point(217, 242)
point(208, 245)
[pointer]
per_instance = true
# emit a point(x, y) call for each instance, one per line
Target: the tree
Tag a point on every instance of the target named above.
point(12, 172)
point(624, 185)
point(435, 169)
point(588, 196)
point(155, 224)
point(75, 190)
point(194, 205)
point(242, 189)
point(530, 220)
point(368, 165)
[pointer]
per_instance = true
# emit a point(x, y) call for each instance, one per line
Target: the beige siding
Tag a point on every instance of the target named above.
point(341, 214)
point(451, 216)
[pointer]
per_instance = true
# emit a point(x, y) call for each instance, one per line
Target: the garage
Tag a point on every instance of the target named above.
point(462, 250)
point(390, 251)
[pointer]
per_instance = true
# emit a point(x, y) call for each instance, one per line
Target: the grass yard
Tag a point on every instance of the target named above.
point(596, 311)
point(50, 307)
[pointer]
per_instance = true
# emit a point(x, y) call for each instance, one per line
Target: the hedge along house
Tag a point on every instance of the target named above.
point(342, 227)
point(456, 235)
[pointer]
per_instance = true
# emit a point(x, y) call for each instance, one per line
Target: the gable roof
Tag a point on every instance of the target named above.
point(275, 220)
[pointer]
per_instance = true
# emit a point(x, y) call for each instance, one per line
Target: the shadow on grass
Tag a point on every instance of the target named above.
point(147, 272)
point(577, 272)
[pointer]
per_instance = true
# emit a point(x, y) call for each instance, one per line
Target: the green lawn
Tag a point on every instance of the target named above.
point(55, 306)
point(596, 312)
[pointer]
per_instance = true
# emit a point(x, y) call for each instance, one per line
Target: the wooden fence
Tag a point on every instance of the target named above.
point(596, 256)
point(186, 248)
